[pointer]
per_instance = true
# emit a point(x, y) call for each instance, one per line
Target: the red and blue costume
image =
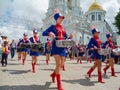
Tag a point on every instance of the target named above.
point(80, 51)
point(24, 41)
point(95, 44)
point(19, 49)
point(34, 40)
point(48, 45)
point(24, 50)
point(18, 44)
point(60, 34)
point(110, 62)
point(109, 44)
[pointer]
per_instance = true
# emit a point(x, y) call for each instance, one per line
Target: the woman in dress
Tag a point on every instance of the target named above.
point(58, 33)
point(95, 45)
point(109, 44)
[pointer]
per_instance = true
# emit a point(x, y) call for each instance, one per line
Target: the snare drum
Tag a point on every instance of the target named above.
point(116, 51)
point(37, 47)
point(19, 49)
point(25, 45)
point(104, 51)
point(65, 43)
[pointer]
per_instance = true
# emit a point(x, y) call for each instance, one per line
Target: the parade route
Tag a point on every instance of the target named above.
point(19, 77)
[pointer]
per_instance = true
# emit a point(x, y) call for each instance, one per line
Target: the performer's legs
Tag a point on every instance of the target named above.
point(19, 56)
point(23, 58)
point(33, 63)
point(112, 67)
point(63, 63)
point(107, 67)
point(80, 59)
point(47, 58)
point(92, 69)
point(59, 62)
point(99, 66)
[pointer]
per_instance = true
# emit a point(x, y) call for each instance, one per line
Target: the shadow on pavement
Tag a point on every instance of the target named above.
point(84, 82)
point(28, 87)
point(16, 71)
point(13, 64)
point(48, 69)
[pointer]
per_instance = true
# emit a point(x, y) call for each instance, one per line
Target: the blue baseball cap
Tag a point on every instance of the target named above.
point(25, 34)
point(108, 35)
point(95, 31)
point(57, 15)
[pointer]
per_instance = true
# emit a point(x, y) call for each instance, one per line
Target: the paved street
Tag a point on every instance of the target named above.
point(19, 77)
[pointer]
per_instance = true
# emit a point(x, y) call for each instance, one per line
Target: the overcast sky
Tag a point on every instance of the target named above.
point(35, 10)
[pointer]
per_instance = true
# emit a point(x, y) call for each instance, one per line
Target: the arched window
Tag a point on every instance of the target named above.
point(93, 17)
point(99, 17)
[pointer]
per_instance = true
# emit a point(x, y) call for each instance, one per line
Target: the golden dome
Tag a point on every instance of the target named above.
point(95, 6)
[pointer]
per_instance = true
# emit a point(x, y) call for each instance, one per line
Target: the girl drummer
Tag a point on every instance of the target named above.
point(95, 45)
point(48, 46)
point(24, 50)
point(19, 49)
point(80, 54)
point(58, 33)
point(109, 44)
point(34, 53)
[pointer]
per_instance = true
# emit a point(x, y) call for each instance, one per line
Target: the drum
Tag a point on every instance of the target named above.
point(37, 47)
point(65, 43)
point(25, 45)
point(116, 51)
point(19, 49)
point(104, 51)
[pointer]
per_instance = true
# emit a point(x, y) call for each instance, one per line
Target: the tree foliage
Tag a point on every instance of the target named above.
point(117, 22)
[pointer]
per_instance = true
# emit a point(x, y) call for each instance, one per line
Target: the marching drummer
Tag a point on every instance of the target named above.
point(58, 33)
point(24, 50)
point(95, 44)
point(109, 44)
point(80, 54)
point(34, 40)
point(19, 49)
point(48, 46)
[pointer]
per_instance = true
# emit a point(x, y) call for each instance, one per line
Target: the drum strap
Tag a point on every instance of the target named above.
point(98, 41)
point(111, 44)
point(60, 31)
point(35, 39)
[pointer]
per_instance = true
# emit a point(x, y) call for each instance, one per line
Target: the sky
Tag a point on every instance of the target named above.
point(33, 11)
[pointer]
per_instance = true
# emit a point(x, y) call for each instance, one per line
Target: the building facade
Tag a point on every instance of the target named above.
point(77, 22)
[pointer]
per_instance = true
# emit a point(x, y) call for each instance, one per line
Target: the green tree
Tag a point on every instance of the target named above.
point(117, 21)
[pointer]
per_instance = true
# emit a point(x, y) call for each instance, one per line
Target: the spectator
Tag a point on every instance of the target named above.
point(5, 52)
point(12, 48)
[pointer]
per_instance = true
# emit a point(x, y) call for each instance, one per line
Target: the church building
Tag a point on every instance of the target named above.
point(77, 22)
